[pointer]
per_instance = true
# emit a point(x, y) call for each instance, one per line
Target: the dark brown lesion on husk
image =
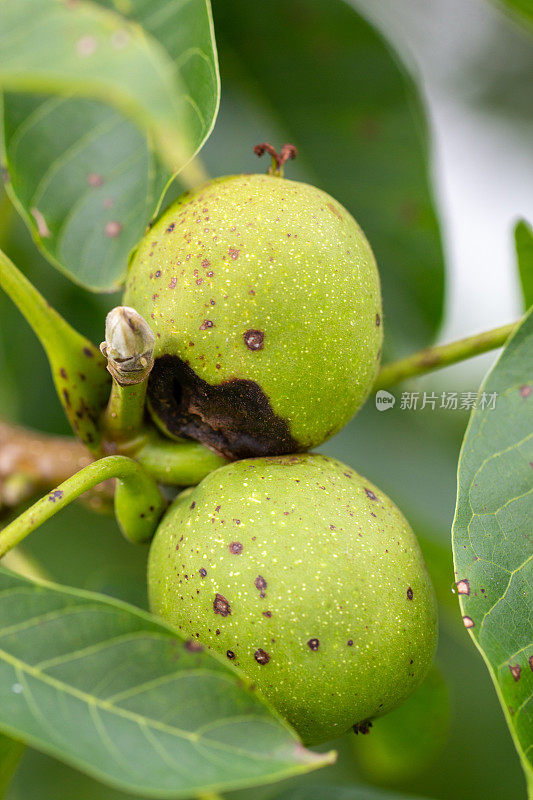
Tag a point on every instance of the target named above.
point(234, 418)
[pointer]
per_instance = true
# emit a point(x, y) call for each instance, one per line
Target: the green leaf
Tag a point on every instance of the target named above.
point(126, 109)
point(521, 10)
point(492, 544)
point(319, 76)
point(523, 234)
point(112, 691)
point(45, 778)
point(406, 741)
point(324, 791)
point(10, 755)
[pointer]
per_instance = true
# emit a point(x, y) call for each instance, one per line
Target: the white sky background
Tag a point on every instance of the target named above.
point(476, 72)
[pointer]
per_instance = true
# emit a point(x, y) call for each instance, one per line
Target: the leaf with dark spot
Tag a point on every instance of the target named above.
point(492, 528)
point(88, 165)
point(193, 647)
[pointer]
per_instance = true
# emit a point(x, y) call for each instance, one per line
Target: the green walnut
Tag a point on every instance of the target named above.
point(264, 297)
point(306, 577)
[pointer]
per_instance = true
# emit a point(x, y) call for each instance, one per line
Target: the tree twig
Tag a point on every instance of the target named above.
point(434, 358)
point(32, 462)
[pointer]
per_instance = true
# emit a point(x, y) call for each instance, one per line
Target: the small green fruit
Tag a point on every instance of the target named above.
point(264, 297)
point(308, 578)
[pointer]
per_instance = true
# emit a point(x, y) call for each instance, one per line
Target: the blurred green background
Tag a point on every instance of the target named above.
point(451, 741)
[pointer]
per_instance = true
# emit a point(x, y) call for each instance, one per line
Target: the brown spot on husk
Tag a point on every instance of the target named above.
point(254, 339)
point(221, 605)
point(261, 656)
point(334, 210)
point(233, 418)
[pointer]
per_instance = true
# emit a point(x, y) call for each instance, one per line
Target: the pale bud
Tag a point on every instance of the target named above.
point(129, 345)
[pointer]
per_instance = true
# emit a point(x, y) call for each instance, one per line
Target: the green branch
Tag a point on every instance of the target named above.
point(139, 504)
point(433, 358)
